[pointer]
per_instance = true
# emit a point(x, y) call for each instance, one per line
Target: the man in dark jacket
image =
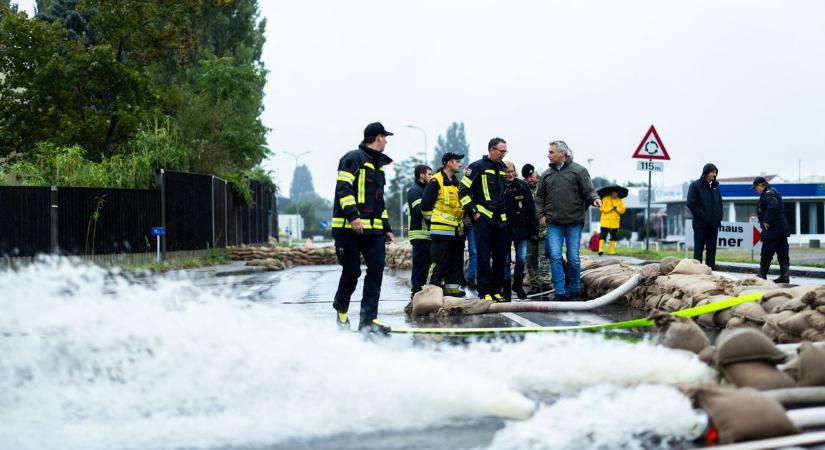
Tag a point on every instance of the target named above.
point(419, 232)
point(522, 225)
point(562, 197)
point(705, 203)
point(482, 195)
point(775, 230)
point(361, 226)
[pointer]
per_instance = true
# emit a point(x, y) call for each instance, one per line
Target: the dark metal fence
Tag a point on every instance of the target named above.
point(198, 211)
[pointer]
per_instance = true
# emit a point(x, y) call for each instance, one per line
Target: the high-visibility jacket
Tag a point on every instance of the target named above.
point(482, 190)
point(359, 192)
point(441, 207)
point(611, 218)
point(417, 224)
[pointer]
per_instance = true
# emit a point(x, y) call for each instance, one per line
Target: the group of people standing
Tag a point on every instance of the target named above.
point(495, 212)
point(490, 208)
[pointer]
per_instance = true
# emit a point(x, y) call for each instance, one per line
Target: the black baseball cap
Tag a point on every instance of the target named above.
point(527, 170)
point(375, 129)
point(759, 180)
point(449, 156)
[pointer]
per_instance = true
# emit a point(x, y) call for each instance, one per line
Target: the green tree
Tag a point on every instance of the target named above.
point(454, 141)
point(301, 183)
point(395, 197)
point(312, 209)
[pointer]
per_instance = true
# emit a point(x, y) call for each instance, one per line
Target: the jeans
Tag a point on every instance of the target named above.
point(521, 260)
point(471, 255)
point(557, 236)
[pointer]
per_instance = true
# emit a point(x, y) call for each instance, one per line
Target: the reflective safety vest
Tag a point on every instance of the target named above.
point(440, 205)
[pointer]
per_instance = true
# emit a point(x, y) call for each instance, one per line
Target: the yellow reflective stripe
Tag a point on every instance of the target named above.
point(419, 234)
point(438, 226)
point(362, 176)
point(502, 173)
point(377, 223)
point(427, 214)
point(385, 215)
point(466, 199)
point(337, 220)
point(484, 185)
point(369, 164)
point(340, 222)
point(446, 195)
point(484, 211)
point(416, 203)
point(444, 218)
point(466, 181)
point(381, 169)
point(343, 175)
point(490, 171)
point(503, 217)
point(347, 201)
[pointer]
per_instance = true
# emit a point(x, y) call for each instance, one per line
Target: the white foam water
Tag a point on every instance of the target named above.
point(89, 360)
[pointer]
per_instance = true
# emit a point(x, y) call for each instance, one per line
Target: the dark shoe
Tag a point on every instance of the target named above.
point(601, 253)
point(761, 275)
point(783, 275)
point(781, 279)
point(506, 292)
point(518, 287)
point(343, 321)
point(374, 327)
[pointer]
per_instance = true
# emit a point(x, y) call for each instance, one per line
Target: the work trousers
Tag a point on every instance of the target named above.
point(704, 239)
point(420, 263)
point(771, 246)
point(446, 262)
point(349, 249)
point(491, 244)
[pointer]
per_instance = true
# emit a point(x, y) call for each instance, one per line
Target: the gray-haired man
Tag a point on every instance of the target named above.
point(568, 185)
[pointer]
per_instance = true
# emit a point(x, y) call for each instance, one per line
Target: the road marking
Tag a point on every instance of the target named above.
point(520, 320)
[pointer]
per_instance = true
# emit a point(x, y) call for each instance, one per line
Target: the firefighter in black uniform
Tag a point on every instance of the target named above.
point(441, 207)
point(361, 226)
point(775, 230)
point(482, 194)
point(419, 233)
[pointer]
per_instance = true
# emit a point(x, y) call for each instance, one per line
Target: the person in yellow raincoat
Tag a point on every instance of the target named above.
point(612, 209)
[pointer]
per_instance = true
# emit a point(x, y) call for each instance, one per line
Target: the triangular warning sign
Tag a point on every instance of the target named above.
point(651, 147)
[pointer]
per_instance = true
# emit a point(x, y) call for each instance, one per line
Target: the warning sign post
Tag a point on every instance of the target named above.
point(650, 148)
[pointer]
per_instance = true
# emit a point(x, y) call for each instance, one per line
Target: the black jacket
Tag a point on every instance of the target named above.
point(521, 211)
point(705, 201)
point(770, 210)
point(476, 198)
point(359, 192)
point(418, 228)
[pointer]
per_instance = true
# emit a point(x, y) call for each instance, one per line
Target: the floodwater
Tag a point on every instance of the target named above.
point(91, 359)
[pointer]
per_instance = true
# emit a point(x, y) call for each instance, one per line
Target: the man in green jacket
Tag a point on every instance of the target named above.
point(562, 197)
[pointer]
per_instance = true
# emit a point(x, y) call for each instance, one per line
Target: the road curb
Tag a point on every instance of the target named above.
point(250, 270)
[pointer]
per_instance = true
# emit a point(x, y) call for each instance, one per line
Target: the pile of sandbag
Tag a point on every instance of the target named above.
point(274, 257)
point(399, 256)
point(785, 314)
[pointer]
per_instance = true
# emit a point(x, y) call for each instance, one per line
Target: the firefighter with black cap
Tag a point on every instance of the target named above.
point(482, 195)
point(361, 227)
point(775, 230)
point(442, 209)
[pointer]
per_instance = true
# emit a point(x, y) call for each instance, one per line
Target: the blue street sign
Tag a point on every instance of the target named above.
point(324, 224)
point(287, 230)
point(158, 231)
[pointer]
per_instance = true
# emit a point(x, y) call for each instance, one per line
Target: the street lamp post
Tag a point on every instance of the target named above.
point(425, 140)
point(297, 204)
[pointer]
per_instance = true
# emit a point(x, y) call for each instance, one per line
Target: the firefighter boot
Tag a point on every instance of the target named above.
point(783, 275)
point(518, 287)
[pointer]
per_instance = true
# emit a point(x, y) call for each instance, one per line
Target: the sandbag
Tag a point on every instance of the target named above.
point(811, 335)
point(816, 320)
point(815, 297)
point(679, 332)
point(796, 323)
point(428, 300)
point(758, 375)
point(745, 344)
point(774, 304)
point(751, 311)
point(690, 267)
point(795, 304)
point(667, 264)
point(808, 369)
point(463, 306)
point(744, 414)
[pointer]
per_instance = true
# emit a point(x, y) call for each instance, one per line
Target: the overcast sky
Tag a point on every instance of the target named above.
point(737, 83)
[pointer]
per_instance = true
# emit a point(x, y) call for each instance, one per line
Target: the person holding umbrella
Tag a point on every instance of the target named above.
point(612, 209)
